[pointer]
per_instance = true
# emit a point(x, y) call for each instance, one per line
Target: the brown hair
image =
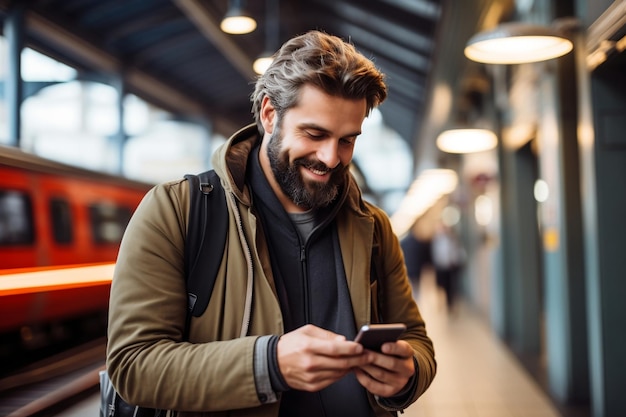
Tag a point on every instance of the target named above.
point(321, 60)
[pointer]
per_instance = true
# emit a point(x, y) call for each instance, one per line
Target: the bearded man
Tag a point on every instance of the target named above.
point(295, 282)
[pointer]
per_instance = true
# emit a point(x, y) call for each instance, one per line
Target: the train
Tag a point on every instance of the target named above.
point(60, 231)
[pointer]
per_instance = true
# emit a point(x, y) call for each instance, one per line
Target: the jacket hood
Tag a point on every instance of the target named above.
point(230, 161)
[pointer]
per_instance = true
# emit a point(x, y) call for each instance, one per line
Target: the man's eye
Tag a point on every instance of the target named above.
point(348, 141)
point(315, 135)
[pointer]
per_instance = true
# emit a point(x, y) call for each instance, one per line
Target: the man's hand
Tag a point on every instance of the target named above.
point(311, 358)
point(386, 373)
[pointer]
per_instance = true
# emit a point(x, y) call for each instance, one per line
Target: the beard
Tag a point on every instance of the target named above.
point(304, 193)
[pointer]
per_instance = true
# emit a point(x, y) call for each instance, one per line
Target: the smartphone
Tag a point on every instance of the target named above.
point(372, 336)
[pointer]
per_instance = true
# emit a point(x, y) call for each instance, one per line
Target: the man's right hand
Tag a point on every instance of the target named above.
point(311, 358)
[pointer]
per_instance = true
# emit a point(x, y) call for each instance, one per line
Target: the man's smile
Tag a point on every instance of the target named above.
point(318, 172)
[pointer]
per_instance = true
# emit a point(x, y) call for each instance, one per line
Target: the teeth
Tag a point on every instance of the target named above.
point(318, 172)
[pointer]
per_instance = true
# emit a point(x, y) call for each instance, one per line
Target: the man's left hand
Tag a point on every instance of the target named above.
point(387, 372)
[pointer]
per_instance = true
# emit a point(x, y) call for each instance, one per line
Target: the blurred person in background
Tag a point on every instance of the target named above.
point(448, 257)
point(417, 256)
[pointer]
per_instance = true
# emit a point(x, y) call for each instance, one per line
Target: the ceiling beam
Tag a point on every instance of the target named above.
point(428, 9)
point(70, 43)
point(209, 27)
point(394, 52)
point(93, 57)
point(347, 12)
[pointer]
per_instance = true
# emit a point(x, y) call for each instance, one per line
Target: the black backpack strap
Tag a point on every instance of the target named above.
point(376, 273)
point(206, 238)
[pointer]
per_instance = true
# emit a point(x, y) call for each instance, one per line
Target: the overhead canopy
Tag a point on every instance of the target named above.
point(173, 52)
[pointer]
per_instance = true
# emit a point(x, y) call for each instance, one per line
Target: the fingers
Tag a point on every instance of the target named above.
point(381, 382)
point(387, 373)
point(322, 342)
point(383, 389)
point(311, 358)
point(318, 332)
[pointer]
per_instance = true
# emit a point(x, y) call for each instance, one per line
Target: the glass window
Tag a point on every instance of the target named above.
point(151, 155)
point(65, 119)
point(37, 67)
point(4, 128)
point(16, 218)
point(108, 222)
point(61, 216)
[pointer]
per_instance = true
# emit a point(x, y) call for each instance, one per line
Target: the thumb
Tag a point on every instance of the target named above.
point(319, 333)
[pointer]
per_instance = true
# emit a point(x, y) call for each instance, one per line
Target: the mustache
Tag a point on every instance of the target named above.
point(317, 165)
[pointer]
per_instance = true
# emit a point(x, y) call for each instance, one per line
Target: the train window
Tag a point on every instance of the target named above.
point(61, 216)
point(16, 218)
point(108, 222)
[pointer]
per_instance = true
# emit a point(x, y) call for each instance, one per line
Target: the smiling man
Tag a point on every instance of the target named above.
point(298, 276)
point(310, 148)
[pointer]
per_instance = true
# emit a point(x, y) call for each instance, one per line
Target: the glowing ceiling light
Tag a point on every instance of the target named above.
point(262, 63)
point(466, 140)
point(517, 43)
point(237, 21)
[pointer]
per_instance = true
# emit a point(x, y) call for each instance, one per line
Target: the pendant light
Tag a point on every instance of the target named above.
point(466, 140)
point(237, 21)
point(272, 34)
point(517, 43)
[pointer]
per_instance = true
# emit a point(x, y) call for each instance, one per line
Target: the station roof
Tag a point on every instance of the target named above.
point(173, 52)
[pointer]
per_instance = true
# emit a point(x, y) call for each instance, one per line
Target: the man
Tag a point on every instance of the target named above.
point(294, 282)
point(447, 255)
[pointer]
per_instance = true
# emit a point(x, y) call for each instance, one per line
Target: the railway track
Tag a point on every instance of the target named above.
point(50, 385)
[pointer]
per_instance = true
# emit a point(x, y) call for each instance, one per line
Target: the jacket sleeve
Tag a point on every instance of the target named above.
point(398, 304)
point(148, 361)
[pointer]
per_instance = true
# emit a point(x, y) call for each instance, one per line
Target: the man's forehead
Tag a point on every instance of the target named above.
point(318, 109)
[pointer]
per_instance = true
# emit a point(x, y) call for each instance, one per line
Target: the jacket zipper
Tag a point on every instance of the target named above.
point(305, 284)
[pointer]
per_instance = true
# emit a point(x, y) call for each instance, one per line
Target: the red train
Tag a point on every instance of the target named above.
point(60, 229)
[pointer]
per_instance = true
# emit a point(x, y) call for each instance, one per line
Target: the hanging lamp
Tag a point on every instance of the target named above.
point(466, 140)
point(517, 43)
point(272, 34)
point(237, 21)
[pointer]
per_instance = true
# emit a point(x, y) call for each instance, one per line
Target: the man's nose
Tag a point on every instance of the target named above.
point(328, 153)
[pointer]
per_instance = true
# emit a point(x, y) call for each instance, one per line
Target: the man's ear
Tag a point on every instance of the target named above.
point(268, 115)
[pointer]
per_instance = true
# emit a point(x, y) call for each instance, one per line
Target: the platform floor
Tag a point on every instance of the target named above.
point(477, 375)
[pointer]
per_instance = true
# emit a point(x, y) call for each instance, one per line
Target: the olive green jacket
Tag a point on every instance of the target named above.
point(212, 373)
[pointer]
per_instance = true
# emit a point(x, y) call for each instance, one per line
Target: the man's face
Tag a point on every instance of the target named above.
point(310, 148)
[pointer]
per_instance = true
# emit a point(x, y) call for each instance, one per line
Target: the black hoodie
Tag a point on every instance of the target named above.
point(312, 288)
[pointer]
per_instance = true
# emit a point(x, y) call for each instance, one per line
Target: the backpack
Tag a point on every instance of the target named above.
point(203, 256)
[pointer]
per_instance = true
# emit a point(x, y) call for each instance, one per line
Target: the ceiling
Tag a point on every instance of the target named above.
point(172, 52)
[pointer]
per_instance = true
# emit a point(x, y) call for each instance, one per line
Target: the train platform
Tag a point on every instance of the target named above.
point(477, 374)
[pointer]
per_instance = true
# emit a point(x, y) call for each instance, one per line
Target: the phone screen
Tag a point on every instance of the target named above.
point(372, 336)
